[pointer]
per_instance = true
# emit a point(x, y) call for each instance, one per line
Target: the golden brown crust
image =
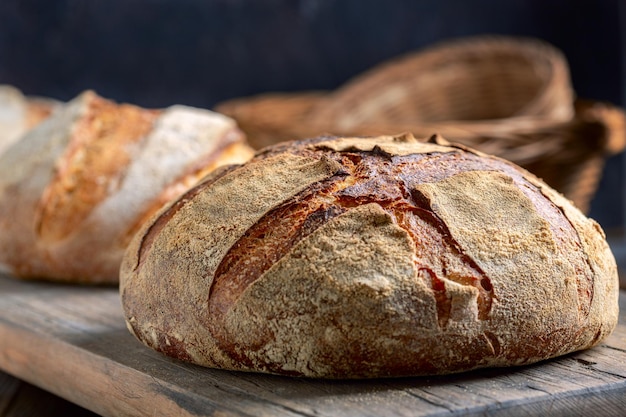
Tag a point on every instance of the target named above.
point(102, 140)
point(75, 188)
point(398, 258)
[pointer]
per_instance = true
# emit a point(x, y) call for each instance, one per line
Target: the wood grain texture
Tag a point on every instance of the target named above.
point(72, 342)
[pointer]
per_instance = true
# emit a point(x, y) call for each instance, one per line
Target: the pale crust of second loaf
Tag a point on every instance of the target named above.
point(19, 113)
point(75, 188)
point(362, 295)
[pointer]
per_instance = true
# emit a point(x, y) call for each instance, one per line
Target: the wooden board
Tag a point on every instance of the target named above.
point(72, 341)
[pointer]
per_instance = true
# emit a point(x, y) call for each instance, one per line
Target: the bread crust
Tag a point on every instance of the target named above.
point(390, 257)
point(19, 113)
point(75, 188)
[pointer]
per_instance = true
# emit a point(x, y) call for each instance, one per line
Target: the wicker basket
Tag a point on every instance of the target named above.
point(273, 117)
point(509, 97)
point(472, 79)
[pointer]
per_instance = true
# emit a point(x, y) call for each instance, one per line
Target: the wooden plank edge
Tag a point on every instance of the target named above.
point(108, 388)
point(595, 402)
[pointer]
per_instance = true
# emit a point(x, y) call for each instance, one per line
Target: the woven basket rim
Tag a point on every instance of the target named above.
point(408, 65)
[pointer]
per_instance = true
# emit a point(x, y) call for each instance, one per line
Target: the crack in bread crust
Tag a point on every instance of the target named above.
point(365, 177)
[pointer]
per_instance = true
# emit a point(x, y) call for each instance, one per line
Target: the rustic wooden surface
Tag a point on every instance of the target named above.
point(71, 341)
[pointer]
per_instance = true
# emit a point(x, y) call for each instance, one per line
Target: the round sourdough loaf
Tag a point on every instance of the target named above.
point(369, 257)
point(75, 188)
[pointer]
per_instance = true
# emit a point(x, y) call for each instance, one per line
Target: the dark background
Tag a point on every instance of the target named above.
point(198, 52)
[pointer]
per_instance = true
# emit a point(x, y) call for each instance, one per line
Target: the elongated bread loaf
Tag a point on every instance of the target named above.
point(75, 188)
point(369, 257)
